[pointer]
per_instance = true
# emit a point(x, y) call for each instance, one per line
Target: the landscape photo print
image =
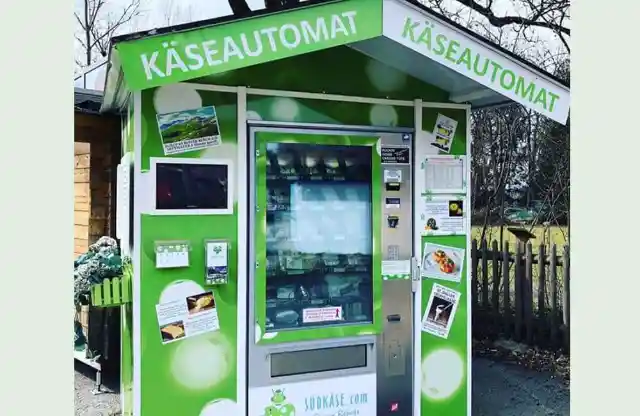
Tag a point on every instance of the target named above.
point(185, 131)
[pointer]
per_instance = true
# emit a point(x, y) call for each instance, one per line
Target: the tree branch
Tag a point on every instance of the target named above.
point(82, 25)
point(501, 21)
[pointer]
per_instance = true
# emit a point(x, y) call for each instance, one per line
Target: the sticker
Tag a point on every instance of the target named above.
point(443, 216)
point(443, 133)
point(187, 317)
point(395, 155)
point(217, 262)
point(185, 131)
point(392, 203)
point(315, 315)
point(392, 175)
point(396, 269)
point(444, 174)
point(441, 311)
point(442, 262)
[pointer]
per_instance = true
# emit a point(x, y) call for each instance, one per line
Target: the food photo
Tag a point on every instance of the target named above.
point(442, 262)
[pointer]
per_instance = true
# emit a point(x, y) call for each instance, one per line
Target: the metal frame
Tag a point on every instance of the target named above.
point(468, 252)
point(243, 251)
point(417, 292)
point(138, 207)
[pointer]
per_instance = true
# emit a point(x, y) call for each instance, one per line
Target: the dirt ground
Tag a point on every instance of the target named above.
point(499, 389)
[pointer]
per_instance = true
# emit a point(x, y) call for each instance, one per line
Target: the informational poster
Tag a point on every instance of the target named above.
point(217, 262)
point(443, 133)
point(440, 311)
point(442, 262)
point(350, 395)
point(444, 174)
point(187, 317)
point(185, 131)
point(326, 314)
point(443, 215)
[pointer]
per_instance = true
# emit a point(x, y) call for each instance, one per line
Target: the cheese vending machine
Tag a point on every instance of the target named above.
point(330, 287)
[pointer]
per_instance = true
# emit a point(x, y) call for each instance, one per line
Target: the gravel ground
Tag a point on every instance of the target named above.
point(507, 389)
point(499, 389)
point(102, 404)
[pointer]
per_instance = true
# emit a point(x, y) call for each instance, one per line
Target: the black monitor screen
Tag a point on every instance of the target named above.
point(182, 186)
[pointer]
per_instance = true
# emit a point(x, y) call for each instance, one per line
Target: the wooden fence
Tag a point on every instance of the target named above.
point(531, 305)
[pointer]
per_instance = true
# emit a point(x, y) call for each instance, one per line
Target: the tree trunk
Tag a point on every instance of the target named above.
point(239, 7)
point(87, 32)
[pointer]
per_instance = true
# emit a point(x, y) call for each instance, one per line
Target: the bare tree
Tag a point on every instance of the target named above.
point(175, 14)
point(96, 25)
point(520, 159)
point(550, 15)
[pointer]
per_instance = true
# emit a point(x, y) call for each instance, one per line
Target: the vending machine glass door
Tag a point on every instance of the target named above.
point(320, 275)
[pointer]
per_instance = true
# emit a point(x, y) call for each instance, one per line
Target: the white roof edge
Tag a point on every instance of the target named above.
point(489, 45)
point(412, 27)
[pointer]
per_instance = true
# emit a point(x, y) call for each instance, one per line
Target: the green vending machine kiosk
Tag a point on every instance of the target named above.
point(297, 208)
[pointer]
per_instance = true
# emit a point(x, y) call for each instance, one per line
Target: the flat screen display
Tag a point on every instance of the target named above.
point(185, 186)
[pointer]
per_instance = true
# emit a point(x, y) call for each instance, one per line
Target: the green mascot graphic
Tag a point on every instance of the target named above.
point(279, 405)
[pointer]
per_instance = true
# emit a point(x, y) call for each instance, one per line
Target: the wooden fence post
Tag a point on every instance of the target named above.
point(516, 317)
point(528, 294)
point(474, 275)
point(505, 287)
point(566, 306)
point(542, 289)
point(518, 292)
point(553, 279)
point(495, 295)
point(485, 276)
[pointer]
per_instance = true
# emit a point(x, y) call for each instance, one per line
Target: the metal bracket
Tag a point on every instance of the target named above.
point(415, 275)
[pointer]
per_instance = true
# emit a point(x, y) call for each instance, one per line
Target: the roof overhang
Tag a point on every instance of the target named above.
point(86, 101)
point(400, 33)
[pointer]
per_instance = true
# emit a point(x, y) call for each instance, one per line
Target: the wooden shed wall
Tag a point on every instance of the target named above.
point(97, 149)
point(81, 197)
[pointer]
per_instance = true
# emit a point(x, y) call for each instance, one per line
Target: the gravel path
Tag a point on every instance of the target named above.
point(499, 389)
point(88, 404)
point(504, 389)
